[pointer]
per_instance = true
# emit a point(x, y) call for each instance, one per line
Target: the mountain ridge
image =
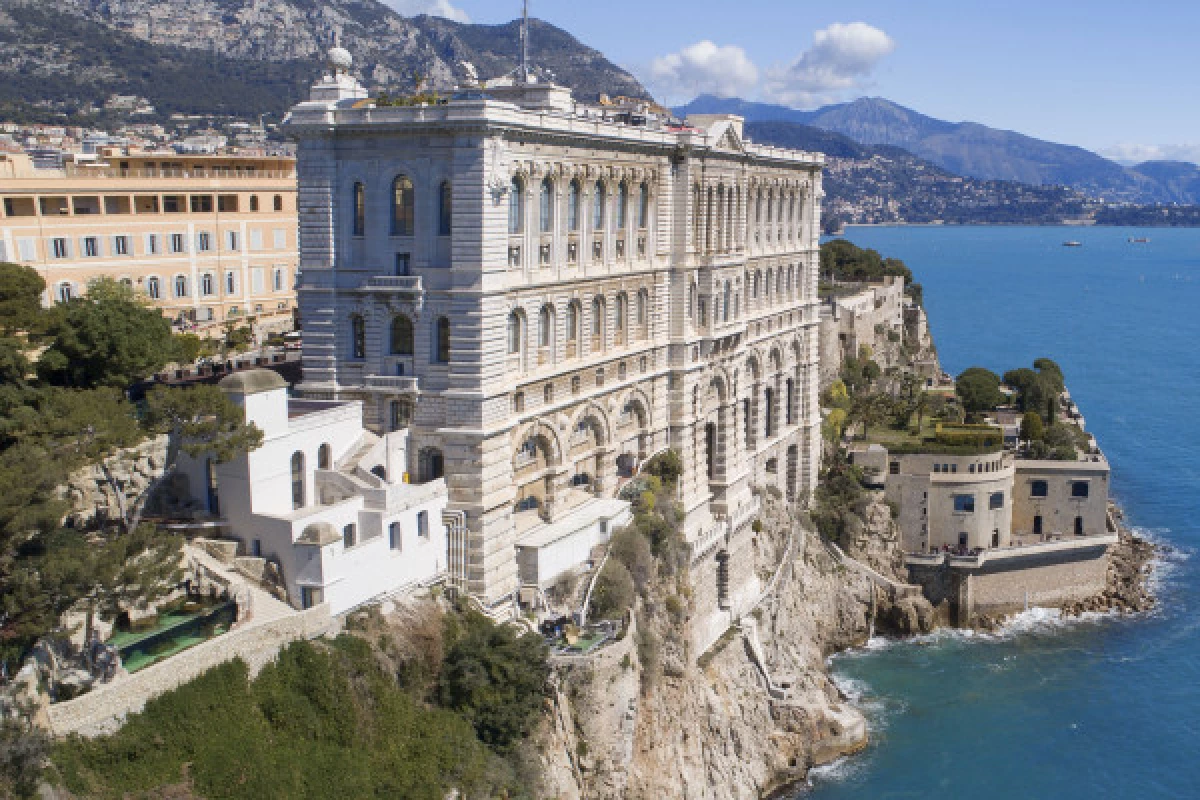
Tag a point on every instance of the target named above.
point(967, 148)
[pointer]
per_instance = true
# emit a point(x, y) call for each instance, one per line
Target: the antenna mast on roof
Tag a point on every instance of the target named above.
point(525, 44)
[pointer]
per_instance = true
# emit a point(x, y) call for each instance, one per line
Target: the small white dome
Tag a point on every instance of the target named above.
point(340, 59)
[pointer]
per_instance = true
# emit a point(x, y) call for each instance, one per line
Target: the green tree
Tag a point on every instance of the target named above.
point(632, 549)
point(1053, 371)
point(614, 592)
point(495, 678)
point(979, 390)
point(21, 291)
point(1032, 429)
point(105, 338)
point(14, 366)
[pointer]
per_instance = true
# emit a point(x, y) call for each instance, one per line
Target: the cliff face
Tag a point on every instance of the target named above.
point(636, 723)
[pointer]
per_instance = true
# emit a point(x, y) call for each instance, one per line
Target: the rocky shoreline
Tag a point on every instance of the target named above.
point(1130, 567)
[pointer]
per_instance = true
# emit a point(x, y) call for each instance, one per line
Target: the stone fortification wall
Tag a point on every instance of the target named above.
point(103, 710)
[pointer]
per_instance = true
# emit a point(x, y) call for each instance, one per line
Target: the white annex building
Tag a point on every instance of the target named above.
point(524, 299)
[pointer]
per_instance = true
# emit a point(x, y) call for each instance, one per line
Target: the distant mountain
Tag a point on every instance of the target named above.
point(251, 57)
point(1179, 178)
point(964, 148)
point(885, 184)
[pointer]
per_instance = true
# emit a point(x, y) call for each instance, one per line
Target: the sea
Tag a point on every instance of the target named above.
point(1106, 706)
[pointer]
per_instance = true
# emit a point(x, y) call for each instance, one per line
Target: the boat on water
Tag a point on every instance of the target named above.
point(1138, 240)
point(1072, 243)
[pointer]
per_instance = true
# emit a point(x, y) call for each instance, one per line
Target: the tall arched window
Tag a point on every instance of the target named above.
point(514, 333)
point(446, 209)
point(403, 201)
point(691, 300)
point(644, 207)
point(516, 206)
point(297, 479)
point(153, 288)
point(757, 282)
point(442, 341)
point(325, 457)
point(622, 206)
point(402, 336)
point(767, 287)
point(779, 284)
point(598, 202)
point(619, 321)
point(546, 206)
point(358, 336)
point(643, 300)
point(360, 210)
point(546, 327)
point(728, 300)
point(573, 207)
point(597, 316)
point(573, 320)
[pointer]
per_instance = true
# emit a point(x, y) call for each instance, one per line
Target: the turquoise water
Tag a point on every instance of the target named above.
point(1106, 707)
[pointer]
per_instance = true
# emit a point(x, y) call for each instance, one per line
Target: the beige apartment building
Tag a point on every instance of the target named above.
point(205, 238)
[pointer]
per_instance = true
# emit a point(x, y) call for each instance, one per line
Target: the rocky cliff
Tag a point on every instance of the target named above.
point(746, 718)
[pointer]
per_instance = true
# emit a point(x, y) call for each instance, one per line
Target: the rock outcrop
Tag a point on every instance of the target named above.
point(642, 719)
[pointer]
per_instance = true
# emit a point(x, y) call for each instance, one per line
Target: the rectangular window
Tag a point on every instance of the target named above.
point(256, 240)
point(394, 537)
point(894, 468)
point(996, 500)
point(91, 247)
point(279, 280)
point(152, 244)
point(349, 535)
point(227, 203)
point(257, 280)
point(203, 242)
point(1038, 489)
point(59, 247)
point(27, 248)
point(173, 204)
point(279, 239)
point(423, 524)
point(403, 264)
point(177, 245)
point(202, 204)
point(121, 245)
point(231, 241)
point(964, 503)
point(1079, 489)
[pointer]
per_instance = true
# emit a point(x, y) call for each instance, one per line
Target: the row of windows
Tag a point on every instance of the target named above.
point(547, 216)
point(402, 339)
point(981, 467)
point(574, 319)
point(965, 503)
point(90, 205)
point(60, 247)
point(1079, 489)
point(181, 286)
point(403, 208)
point(577, 384)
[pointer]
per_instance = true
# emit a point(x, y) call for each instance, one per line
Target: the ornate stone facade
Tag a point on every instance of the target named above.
point(547, 295)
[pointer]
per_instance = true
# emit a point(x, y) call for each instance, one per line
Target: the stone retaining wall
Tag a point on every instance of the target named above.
point(103, 710)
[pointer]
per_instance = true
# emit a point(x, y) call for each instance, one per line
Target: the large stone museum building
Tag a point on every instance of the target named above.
point(543, 295)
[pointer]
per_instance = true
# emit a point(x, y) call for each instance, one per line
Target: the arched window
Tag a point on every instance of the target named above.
point(597, 316)
point(779, 283)
point(619, 321)
point(297, 479)
point(206, 284)
point(446, 209)
point(598, 202)
point(728, 300)
point(325, 457)
point(546, 206)
point(644, 207)
point(514, 333)
point(516, 206)
point(279, 202)
point(770, 280)
point(358, 336)
point(573, 207)
point(622, 207)
point(153, 288)
point(402, 336)
point(360, 210)
point(403, 200)
point(691, 300)
point(181, 288)
point(442, 340)
point(573, 321)
point(757, 281)
point(643, 300)
point(254, 202)
point(546, 326)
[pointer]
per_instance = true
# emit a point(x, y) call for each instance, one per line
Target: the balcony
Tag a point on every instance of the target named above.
point(392, 383)
point(392, 283)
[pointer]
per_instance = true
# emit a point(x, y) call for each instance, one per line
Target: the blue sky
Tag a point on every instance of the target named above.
point(1119, 78)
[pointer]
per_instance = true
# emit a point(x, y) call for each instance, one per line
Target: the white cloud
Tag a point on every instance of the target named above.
point(701, 68)
point(841, 60)
point(437, 8)
point(1130, 153)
